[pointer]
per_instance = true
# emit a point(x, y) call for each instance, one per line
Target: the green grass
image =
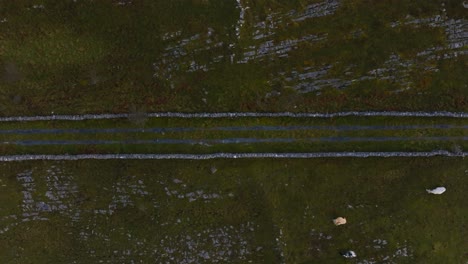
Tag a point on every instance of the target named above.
point(97, 57)
point(298, 197)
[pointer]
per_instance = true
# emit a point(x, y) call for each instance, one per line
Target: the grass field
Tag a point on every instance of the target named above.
point(100, 57)
point(262, 211)
point(137, 57)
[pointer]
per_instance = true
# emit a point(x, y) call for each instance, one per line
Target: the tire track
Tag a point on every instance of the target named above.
point(229, 141)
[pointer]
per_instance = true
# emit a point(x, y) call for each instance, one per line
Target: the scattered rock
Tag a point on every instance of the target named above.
point(438, 190)
point(213, 169)
point(349, 254)
point(339, 221)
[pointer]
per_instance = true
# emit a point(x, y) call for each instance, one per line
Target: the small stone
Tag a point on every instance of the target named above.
point(213, 169)
point(339, 221)
point(438, 190)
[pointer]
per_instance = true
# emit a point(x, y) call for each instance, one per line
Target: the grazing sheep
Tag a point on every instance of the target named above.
point(349, 254)
point(438, 190)
point(339, 221)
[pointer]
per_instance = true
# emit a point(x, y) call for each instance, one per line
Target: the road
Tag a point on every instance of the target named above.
point(234, 135)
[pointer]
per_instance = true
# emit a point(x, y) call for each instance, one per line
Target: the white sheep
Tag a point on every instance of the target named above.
point(438, 190)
